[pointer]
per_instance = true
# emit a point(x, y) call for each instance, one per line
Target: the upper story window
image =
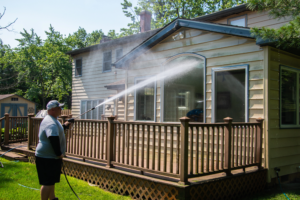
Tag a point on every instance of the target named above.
point(107, 61)
point(119, 53)
point(238, 21)
point(14, 99)
point(289, 97)
point(78, 67)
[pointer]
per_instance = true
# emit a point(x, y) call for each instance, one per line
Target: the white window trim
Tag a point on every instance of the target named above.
point(297, 96)
point(85, 115)
point(246, 19)
point(162, 84)
point(229, 68)
point(135, 100)
point(80, 58)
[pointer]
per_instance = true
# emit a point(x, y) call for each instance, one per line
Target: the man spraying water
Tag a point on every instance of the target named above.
point(50, 150)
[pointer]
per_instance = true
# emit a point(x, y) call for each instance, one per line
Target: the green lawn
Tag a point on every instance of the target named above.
point(15, 173)
point(275, 194)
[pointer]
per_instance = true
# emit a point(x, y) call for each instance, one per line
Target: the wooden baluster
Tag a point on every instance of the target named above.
point(171, 148)
point(81, 137)
point(165, 148)
point(95, 140)
point(119, 142)
point(217, 148)
point(177, 152)
point(123, 143)
point(252, 143)
point(184, 136)
point(245, 137)
point(127, 150)
point(202, 149)
point(213, 149)
point(132, 144)
point(248, 145)
point(92, 139)
point(143, 147)
point(102, 141)
point(207, 148)
point(137, 145)
point(222, 147)
point(240, 143)
point(191, 149)
point(197, 151)
point(84, 142)
point(6, 130)
point(159, 148)
point(153, 148)
point(259, 143)
point(228, 129)
point(148, 147)
point(99, 141)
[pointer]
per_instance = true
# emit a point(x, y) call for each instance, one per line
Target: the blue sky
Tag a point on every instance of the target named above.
point(65, 16)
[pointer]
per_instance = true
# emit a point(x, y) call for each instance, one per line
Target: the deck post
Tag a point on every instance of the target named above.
point(110, 140)
point(228, 136)
point(30, 130)
point(6, 132)
point(258, 150)
point(184, 151)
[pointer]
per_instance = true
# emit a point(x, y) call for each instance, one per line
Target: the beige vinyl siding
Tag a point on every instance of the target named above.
point(284, 143)
point(257, 19)
point(220, 50)
point(90, 86)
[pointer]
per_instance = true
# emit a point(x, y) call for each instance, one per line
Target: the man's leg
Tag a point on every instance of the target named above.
point(52, 193)
point(45, 191)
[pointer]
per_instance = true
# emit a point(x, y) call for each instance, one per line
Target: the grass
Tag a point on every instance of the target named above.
point(15, 173)
point(275, 194)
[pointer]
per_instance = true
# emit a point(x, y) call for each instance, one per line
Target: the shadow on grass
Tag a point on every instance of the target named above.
point(275, 193)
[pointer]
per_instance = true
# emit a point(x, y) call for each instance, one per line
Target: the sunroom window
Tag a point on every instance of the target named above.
point(289, 97)
point(145, 98)
point(184, 93)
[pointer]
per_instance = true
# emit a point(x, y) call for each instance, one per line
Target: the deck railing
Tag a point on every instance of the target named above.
point(180, 150)
point(15, 129)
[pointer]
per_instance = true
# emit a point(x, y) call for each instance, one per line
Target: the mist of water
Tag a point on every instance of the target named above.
point(176, 70)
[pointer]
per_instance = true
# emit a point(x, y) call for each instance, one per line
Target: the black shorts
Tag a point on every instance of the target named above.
point(48, 170)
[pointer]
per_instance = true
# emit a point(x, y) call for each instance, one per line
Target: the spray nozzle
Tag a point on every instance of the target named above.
point(71, 120)
point(93, 108)
point(277, 170)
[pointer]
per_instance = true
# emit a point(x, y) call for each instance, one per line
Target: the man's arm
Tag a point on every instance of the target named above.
point(55, 143)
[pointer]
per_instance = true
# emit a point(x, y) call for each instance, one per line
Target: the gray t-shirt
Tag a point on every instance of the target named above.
point(50, 127)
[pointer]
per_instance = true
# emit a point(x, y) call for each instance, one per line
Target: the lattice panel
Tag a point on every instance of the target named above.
point(232, 188)
point(120, 183)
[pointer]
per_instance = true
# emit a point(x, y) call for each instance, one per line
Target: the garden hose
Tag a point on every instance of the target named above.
point(1, 165)
point(277, 170)
point(68, 181)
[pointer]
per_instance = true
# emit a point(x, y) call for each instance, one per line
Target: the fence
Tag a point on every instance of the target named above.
point(15, 129)
point(66, 112)
point(179, 150)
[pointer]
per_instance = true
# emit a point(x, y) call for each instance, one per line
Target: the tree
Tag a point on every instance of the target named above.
point(286, 36)
point(165, 11)
point(9, 24)
point(44, 65)
point(81, 38)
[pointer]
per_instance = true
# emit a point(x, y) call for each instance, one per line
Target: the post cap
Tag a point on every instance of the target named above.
point(227, 119)
point(184, 119)
point(260, 119)
point(63, 116)
point(111, 117)
point(6, 114)
point(30, 114)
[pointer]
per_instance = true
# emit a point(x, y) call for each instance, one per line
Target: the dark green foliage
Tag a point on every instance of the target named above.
point(286, 36)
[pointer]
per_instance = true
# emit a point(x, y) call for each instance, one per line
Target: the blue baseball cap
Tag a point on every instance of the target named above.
point(53, 104)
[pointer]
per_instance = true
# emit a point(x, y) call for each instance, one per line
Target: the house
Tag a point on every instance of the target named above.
point(215, 69)
point(16, 105)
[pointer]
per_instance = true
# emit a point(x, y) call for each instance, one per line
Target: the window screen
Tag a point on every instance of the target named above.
point(78, 67)
point(94, 114)
point(119, 53)
point(145, 102)
point(107, 61)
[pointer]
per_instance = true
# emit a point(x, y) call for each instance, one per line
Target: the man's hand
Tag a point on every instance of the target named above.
point(61, 156)
point(67, 123)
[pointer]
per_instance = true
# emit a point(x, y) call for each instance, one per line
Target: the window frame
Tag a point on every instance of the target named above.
point(80, 58)
point(136, 79)
point(246, 20)
point(85, 115)
point(213, 98)
point(103, 71)
point(162, 92)
point(282, 126)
